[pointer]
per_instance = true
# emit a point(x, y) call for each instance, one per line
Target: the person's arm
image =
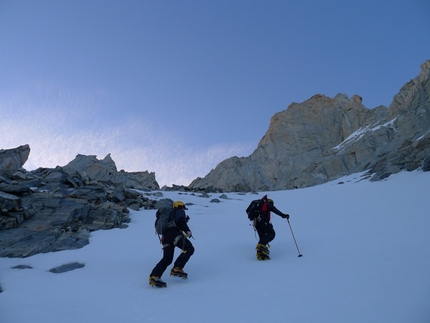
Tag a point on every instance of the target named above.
point(181, 220)
point(273, 209)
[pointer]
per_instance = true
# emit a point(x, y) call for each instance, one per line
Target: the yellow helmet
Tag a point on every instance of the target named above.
point(179, 204)
point(269, 201)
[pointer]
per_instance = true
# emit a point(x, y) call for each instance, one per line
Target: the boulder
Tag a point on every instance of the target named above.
point(13, 159)
point(67, 267)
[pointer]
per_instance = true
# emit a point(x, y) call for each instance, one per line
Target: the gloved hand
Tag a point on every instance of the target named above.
point(286, 216)
point(189, 234)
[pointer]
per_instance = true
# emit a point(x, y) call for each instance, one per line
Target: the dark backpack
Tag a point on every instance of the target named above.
point(254, 209)
point(163, 221)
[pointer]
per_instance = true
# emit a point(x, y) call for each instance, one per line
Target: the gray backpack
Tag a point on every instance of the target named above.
point(163, 220)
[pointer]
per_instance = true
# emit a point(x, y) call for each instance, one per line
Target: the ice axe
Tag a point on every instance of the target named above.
point(300, 255)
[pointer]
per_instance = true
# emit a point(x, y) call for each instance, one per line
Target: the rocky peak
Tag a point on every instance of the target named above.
point(325, 138)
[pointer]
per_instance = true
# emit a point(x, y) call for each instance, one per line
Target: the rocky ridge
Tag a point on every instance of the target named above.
point(324, 138)
point(52, 209)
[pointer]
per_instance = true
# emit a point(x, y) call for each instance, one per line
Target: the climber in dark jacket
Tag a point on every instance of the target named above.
point(176, 236)
point(264, 228)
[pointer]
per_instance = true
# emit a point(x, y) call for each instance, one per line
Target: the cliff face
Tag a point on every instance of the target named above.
point(53, 209)
point(325, 138)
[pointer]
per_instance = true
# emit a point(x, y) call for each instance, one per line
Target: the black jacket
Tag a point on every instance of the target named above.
point(180, 218)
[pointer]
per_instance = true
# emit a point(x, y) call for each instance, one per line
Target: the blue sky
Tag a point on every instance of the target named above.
point(175, 87)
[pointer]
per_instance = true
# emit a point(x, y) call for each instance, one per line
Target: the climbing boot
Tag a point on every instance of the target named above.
point(263, 248)
point(178, 272)
point(262, 252)
point(155, 281)
point(262, 256)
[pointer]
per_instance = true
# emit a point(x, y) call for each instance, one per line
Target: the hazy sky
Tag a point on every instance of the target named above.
point(175, 87)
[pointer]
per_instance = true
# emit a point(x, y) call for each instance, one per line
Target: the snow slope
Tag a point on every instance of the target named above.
point(366, 258)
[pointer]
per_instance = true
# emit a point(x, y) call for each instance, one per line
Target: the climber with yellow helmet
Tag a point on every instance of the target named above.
point(175, 235)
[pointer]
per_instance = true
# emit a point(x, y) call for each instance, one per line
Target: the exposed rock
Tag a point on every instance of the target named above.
point(90, 168)
point(13, 159)
point(164, 203)
point(22, 267)
point(67, 267)
point(48, 210)
point(143, 181)
point(9, 203)
point(325, 138)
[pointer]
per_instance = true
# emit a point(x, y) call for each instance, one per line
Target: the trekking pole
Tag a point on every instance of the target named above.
point(300, 255)
point(192, 236)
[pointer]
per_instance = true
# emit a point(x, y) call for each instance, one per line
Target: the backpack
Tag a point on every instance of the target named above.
point(162, 220)
point(254, 209)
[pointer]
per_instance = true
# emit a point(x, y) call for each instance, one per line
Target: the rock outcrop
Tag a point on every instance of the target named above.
point(105, 170)
point(52, 209)
point(325, 138)
point(13, 159)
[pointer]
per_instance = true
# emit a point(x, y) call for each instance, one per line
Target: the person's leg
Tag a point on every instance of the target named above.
point(164, 262)
point(187, 251)
point(266, 234)
point(168, 253)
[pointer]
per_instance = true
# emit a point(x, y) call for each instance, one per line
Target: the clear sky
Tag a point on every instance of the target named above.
point(175, 87)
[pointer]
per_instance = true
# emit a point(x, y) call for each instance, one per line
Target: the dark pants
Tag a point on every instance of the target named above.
point(171, 240)
point(265, 231)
